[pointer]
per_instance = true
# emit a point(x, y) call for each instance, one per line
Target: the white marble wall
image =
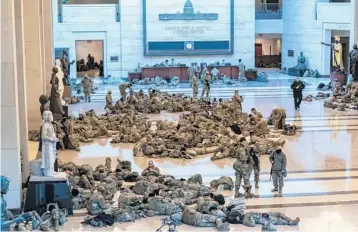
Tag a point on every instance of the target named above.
point(132, 37)
point(103, 13)
point(334, 12)
point(125, 39)
point(354, 33)
point(301, 33)
point(269, 26)
point(10, 139)
point(65, 34)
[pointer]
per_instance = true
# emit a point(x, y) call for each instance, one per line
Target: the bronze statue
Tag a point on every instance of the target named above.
point(66, 67)
point(6, 219)
point(55, 100)
point(353, 58)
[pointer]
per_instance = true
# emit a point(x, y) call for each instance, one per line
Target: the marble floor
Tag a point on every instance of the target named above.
point(322, 183)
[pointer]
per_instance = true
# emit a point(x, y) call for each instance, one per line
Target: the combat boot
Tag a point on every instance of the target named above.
point(89, 99)
point(238, 194)
point(280, 192)
point(256, 184)
point(274, 190)
point(294, 222)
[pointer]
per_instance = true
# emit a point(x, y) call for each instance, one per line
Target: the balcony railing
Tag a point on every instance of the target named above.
point(269, 11)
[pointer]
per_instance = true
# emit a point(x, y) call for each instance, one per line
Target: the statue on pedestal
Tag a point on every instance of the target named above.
point(60, 76)
point(66, 66)
point(6, 217)
point(337, 56)
point(55, 101)
point(49, 140)
point(300, 68)
point(353, 58)
point(301, 62)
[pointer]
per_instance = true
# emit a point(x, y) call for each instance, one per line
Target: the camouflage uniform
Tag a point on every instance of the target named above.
point(96, 204)
point(254, 218)
point(237, 101)
point(243, 167)
point(86, 83)
point(206, 86)
point(278, 161)
point(122, 89)
point(193, 218)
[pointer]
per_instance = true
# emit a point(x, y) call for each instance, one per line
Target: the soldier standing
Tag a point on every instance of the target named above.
point(109, 102)
point(237, 101)
point(256, 164)
point(243, 167)
point(86, 83)
point(191, 71)
point(195, 85)
point(278, 169)
point(206, 86)
point(123, 87)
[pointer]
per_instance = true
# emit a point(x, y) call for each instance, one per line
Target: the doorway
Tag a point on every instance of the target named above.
point(268, 51)
point(89, 58)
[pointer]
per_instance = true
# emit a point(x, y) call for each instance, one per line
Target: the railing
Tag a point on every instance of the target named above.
point(269, 11)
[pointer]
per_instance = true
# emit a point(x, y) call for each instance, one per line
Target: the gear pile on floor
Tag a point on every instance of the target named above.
point(183, 201)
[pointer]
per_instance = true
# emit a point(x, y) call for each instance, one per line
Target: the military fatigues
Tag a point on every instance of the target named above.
point(109, 104)
point(254, 218)
point(237, 100)
point(86, 83)
point(243, 167)
point(278, 161)
point(122, 89)
point(206, 86)
point(195, 86)
point(191, 72)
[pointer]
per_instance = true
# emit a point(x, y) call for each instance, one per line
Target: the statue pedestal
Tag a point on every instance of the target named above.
point(67, 92)
point(296, 72)
point(341, 77)
point(43, 190)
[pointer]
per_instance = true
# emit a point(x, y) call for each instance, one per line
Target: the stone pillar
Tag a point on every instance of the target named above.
point(354, 29)
point(37, 28)
point(10, 136)
point(21, 89)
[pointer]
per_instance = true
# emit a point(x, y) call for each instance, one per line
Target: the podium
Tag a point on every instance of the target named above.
point(43, 190)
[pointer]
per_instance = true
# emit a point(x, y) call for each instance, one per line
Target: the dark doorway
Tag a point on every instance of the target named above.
point(258, 50)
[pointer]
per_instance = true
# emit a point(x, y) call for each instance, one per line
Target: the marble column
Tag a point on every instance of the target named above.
point(355, 22)
point(38, 44)
point(21, 89)
point(10, 136)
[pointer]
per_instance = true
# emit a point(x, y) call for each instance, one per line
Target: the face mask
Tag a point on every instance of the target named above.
point(278, 151)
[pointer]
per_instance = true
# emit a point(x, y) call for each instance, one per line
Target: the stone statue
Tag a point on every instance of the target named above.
point(7, 219)
point(353, 58)
point(55, 101)
point(301, 62)
point(49, 140)
point(45, 103)
point(300, 68)
point(66, 66)
point(337, 49)
point(60, 76)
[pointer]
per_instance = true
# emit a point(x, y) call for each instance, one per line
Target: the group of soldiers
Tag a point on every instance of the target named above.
point(343, 97)
point(183, 201)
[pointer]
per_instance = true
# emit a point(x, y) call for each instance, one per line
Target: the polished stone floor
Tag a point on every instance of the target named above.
point(322, 183)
